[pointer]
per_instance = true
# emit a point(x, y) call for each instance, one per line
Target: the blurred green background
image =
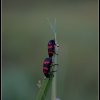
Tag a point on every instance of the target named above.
point(25, 33)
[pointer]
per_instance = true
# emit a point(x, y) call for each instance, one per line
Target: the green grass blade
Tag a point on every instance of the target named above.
point(44, 89)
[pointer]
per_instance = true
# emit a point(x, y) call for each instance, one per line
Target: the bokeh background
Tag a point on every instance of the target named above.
point(25, 33)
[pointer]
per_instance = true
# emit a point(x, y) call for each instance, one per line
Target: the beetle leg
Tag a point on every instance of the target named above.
point(57, 45)
point(56, 53)
point(54, 71)
point(54, 64)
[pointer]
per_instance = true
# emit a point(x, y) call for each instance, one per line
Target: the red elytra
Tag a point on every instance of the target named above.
point(45, 71)
point(46, 62)
point(45, 68)
point(50, 52)
point(50, 46)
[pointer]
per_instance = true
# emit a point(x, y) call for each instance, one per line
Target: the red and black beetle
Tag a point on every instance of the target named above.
point(51, 48)
point(47, 64)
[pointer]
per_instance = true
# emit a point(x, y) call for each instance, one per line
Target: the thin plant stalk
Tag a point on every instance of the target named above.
point(53, 90)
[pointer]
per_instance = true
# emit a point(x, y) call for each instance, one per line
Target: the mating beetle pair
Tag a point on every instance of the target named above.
point(48, 63)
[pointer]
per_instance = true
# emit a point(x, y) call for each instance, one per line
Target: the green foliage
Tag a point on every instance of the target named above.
point(44, 89)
